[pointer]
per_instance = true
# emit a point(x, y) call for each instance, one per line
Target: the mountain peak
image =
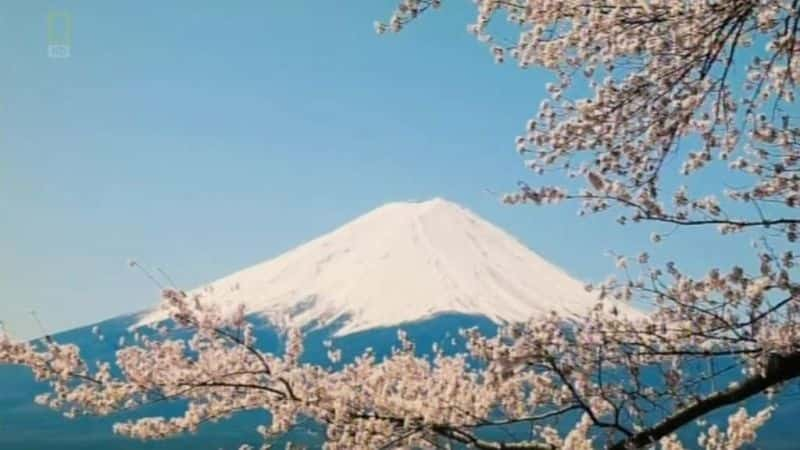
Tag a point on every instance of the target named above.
point(418, 206)
point(402, 262)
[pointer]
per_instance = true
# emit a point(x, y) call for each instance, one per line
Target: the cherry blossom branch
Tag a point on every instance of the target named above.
point(780, 369)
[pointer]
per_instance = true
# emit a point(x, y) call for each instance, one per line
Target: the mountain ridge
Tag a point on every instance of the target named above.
point(401, 262)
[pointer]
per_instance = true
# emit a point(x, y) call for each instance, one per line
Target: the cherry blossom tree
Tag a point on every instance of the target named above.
point(652, 100)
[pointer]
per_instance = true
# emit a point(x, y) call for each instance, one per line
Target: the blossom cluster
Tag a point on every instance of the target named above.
point(606, 373)
point(665, 97)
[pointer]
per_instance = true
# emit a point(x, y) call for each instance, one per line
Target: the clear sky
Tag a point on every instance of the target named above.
point(204, 137)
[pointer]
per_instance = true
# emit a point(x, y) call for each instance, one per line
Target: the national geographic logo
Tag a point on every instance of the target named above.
point(59, 34)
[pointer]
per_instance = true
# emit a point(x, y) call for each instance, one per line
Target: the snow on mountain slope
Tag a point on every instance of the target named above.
point(399, 263)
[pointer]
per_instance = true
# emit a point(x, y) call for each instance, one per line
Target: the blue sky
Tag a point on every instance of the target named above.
point(203, 138)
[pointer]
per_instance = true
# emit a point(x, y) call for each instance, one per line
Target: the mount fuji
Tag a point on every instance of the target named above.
point(400, 263)
point(430, 267)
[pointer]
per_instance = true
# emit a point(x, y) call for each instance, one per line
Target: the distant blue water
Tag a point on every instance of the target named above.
point(27, 426)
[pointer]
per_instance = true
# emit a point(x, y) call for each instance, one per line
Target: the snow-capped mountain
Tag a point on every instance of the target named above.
point(402, 262)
